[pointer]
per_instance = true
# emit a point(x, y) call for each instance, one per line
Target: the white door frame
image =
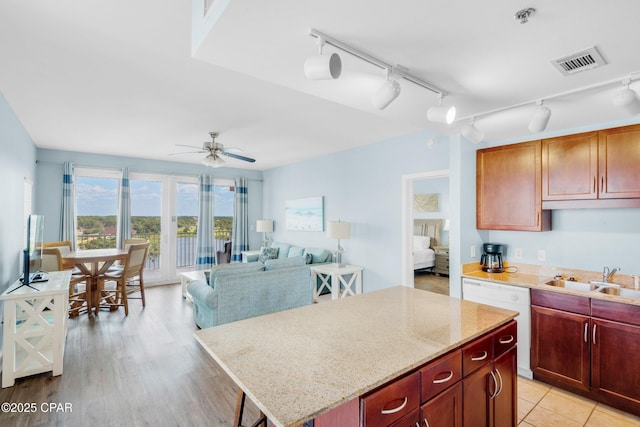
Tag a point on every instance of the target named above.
point(407, 220)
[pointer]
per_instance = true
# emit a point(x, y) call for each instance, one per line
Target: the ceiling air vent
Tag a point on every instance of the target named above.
point(580, 61)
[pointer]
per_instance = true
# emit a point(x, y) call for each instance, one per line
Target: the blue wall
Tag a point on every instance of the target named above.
point(17, 162)
point(361, 186)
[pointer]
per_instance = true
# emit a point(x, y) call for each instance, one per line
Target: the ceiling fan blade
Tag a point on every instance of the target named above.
point(234, 150)
point(190, 146)
point(237, 156)
point(188, 152)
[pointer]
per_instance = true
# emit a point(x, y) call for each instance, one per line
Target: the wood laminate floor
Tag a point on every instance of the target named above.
point(142, 370)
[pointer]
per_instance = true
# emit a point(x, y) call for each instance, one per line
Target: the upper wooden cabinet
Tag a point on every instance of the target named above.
point(593, 169)
point(570, 167)
point(509, 190)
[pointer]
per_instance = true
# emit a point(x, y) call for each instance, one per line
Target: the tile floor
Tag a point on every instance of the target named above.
point(541, 405)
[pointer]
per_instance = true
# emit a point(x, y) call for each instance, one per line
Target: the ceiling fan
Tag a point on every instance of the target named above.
point(215, 150)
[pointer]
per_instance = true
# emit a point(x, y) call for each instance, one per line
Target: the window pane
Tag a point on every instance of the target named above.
point(96, 207)
point(146, 210)
point(187, 212)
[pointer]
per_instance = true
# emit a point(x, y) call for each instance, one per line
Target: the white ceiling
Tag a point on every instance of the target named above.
point(118, 77)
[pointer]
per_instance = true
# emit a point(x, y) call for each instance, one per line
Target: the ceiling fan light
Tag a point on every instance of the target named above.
point(386, 94)
point(323, 67)
point(213, 161)
point(442, 114)
point(472, 133)
point(627, 99)
point(540, 119)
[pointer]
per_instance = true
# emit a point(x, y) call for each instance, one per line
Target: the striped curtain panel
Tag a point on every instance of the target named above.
point(240, 233)
point(205, 255)
point(68, 214)
point(124, 209)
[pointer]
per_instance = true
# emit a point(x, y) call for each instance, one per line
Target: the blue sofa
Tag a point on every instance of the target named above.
point(239, 291)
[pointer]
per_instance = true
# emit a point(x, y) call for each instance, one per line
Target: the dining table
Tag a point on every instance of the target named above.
point(93, 263)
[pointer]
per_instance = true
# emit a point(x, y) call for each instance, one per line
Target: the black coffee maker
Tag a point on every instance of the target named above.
point(491, 260)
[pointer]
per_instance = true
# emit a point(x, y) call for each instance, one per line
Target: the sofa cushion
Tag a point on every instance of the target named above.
point(283, 249)
point(235, 268)
point(275, 264)
point(268, 253)
point(295, 251)
point(318, 255)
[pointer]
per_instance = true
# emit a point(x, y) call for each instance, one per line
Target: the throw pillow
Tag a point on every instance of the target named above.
point(276, 264)
point(268, 253)
point(309, 258)
point(295, 251)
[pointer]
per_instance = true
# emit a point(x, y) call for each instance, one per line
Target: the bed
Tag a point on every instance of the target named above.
point(426, 235)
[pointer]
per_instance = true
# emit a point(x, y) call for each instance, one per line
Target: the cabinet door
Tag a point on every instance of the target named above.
point(619, 157)
point(505, 401)
point(392, 402)
point(509, 188)
point(570, 167)
point(477, 389)
point(444, 410)
point(615, 367)
point(560, 347)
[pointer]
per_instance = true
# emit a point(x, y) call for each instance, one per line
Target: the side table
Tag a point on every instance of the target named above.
point(188, 277)
point(442, 260)
point(35, 327)
point(341, 281)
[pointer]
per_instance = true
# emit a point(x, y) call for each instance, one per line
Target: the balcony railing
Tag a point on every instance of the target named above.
point(186, 249)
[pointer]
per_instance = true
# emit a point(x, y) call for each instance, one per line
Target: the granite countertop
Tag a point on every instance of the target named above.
point(297, 364)
point(535, 277)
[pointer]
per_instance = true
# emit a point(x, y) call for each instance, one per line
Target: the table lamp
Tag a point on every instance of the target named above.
point(265, 226)
point(339, 230)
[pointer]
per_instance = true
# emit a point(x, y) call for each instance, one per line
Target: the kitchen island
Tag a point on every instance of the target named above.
point(297, 364)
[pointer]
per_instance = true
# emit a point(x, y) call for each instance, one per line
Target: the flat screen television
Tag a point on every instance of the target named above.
point(32, 261)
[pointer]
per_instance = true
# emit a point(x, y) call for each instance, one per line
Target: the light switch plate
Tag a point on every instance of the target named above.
point(473, 251)
point(518, 253)
point(542, 255)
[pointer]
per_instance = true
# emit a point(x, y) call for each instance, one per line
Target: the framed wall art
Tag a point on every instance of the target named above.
point(305, 214)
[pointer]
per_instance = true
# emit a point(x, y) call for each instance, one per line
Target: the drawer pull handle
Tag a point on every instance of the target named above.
point(586, 333)
point(426, 423)
point(444, 380)
point(594, 334)
point(506, 340)
point(484, 356)
point(394, 410)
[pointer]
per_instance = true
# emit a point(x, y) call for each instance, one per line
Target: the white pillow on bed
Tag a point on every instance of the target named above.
point(421, 242)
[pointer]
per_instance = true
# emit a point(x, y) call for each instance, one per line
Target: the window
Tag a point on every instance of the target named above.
point(96, 207)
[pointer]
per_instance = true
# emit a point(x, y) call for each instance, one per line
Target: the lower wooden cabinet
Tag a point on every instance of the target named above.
point(443, 410)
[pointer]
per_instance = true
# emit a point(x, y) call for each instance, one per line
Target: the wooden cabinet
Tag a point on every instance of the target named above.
point(467, 386)
point(442, 260)
point(509, 188)
point(587, 346)
point(570, 167)
point(618, 160)
point(593, 169)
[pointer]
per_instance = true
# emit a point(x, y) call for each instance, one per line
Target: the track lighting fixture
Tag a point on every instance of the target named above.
point(627, 99)
point(472, 133)
point(540, 118)
point(386, 93)
point(323, 67)
point(441, 113)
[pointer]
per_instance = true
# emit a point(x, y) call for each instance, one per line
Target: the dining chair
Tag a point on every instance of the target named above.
point(127, 242)
point(52, 261)
point(128, 280)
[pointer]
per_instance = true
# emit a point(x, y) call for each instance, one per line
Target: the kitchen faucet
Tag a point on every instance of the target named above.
point(607, 275)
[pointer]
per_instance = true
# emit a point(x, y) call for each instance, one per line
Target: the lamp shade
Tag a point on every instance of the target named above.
point(338, 230)
point(264, 226)
point(539, 120)
point(441, 114)
point(447, 224)
point(386, 94)
point(213, 161)
point(323, 67)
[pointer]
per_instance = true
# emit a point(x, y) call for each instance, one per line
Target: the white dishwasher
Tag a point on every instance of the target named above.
point(511, 298)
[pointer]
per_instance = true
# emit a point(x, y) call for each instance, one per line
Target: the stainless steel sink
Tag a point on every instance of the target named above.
point(619, 291)
point(573, 285)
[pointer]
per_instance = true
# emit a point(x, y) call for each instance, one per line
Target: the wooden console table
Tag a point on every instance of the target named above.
point(35, 327)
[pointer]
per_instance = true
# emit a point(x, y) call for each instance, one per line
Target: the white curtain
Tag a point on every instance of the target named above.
point(124, 209)
point(240, 233)
point(206, 255)
point(68, 214)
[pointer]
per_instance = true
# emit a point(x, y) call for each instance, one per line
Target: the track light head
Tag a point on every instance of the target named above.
point(627, 99)
point(441, 113)
point(472, 133)
point(386, 94)
point(323, 67)
point(540, 119)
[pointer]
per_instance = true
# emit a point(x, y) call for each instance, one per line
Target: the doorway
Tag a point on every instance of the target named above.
point(418, 271)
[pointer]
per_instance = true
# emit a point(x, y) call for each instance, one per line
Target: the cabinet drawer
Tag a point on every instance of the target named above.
point(477, 354)
point(392, 402)
point(617, 311)
point(561, 301)
point(441, 374)
point(409, 420)
point(505, 338)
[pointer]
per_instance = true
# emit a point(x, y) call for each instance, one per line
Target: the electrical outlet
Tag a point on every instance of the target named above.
point(518, 253)
point(473, 251)
point(542, 255)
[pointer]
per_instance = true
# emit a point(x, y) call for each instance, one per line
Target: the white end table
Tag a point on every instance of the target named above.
point(345, 280)
point(188, 277)
point(35, 327)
